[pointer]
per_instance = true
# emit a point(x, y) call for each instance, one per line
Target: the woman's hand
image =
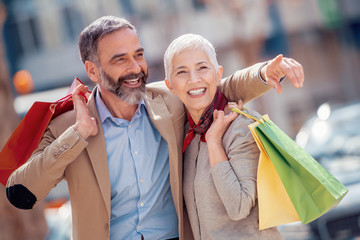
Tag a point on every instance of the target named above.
point(221, 122)
point(216, 131)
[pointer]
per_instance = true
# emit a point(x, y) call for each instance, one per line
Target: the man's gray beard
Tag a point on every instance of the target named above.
point(132, 96)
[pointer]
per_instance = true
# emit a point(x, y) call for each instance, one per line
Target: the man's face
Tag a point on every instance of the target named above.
point(123, 68)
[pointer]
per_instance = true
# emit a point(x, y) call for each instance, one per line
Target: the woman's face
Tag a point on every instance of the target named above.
point(194, 80)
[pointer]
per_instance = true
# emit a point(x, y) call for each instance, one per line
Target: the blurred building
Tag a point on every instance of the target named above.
point(323, 35)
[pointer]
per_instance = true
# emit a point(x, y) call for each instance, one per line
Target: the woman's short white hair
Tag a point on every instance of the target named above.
point(185, 42)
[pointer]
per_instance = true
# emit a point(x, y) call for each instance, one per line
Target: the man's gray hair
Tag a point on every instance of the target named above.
point(185, 42)
point(90, 36)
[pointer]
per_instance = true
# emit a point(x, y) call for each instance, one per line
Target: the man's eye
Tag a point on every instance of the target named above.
point(203, 67)
point(139, 55)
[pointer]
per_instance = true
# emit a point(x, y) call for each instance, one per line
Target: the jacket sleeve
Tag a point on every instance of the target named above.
point(31, 182)
point(235, 179)
point(244, 84)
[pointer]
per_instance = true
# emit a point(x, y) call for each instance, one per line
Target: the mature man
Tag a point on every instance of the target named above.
point(120, 152)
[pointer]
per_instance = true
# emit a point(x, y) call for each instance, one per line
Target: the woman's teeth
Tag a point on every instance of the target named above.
point(197, 91)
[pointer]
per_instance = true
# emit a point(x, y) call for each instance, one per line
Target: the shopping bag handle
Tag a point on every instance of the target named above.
point(246, 114)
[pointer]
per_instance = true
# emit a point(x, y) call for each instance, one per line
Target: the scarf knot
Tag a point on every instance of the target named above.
point(219, 102)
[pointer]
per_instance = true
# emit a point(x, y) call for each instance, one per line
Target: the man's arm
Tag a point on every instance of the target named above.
point(254, 81)
point(46, 167)
point(32, 182)
point(244, 85)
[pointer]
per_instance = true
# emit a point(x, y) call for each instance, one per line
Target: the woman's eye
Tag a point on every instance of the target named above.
point(203, 67)
point(180, 72)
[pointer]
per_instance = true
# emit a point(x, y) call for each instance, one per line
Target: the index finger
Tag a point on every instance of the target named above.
point(294, 72)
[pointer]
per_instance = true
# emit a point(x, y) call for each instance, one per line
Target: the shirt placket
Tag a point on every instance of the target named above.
point(137, 157)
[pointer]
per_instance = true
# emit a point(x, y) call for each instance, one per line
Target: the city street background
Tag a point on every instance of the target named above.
point(40, 36)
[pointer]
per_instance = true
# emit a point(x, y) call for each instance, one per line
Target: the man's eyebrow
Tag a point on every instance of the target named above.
point(117, 56)
point(124, 54)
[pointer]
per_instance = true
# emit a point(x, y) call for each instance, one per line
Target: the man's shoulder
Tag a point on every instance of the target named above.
point(157, 86)
point(62, 122)
point(156, 89)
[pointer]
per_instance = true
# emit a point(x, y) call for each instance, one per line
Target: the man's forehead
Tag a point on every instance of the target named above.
point(123, 41)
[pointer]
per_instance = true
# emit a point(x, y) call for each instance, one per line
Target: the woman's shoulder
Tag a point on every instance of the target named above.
point(242, 120)
point(239, 128)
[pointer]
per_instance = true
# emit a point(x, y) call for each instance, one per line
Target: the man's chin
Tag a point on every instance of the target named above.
point(132, 96)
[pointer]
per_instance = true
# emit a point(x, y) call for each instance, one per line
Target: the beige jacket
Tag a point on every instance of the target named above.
point(62, 154)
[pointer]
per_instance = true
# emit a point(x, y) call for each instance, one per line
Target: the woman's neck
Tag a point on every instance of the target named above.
point(196, 115)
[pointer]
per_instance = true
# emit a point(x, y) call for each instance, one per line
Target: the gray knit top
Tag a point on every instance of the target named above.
point(222, 201)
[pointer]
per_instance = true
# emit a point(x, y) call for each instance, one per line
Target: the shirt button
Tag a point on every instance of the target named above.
point(130, 126)
point(141, 180)
point(139, 227)
point(141, 204)
point(135, 152)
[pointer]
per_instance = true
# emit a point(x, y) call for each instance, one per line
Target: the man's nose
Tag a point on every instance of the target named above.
point(133, 66)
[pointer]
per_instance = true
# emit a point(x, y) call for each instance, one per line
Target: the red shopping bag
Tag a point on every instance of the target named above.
point(27, 136)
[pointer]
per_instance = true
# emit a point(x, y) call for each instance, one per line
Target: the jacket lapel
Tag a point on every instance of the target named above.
point(96, 149)
point(162, 119)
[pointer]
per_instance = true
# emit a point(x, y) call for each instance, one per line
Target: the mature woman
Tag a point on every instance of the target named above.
point(220, 155)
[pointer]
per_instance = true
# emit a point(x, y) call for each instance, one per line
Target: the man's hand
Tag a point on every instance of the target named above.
point(278, 68)
point(85, 125)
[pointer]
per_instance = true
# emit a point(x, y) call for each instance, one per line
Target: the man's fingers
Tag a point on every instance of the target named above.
point(277, 60)
point(294, 72)
point(275, 84)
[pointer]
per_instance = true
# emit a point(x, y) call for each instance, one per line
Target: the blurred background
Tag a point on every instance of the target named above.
point(39, 58)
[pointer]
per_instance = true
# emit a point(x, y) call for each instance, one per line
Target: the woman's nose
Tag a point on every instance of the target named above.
point(194, 77)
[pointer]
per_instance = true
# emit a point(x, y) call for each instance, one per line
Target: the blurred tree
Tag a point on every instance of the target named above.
point(15, 224)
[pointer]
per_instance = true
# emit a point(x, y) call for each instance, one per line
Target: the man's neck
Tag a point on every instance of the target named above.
point(117, 107)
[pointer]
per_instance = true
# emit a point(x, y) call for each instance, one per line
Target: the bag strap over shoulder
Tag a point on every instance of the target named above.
point(246, 114)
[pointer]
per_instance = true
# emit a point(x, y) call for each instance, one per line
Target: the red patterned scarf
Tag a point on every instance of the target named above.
point(206, 119)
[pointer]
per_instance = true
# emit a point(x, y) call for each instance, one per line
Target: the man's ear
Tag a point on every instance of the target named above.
point(92, 71)
point(219, 74)
point(169, 86)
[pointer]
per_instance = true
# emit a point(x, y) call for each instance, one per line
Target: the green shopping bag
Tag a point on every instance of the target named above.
point(311, 188)
point(313, 191)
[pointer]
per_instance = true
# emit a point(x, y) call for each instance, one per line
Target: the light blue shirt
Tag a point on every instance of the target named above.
point(138, 157)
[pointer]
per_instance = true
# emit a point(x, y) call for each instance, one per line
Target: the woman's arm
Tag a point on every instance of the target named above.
point(234, 172)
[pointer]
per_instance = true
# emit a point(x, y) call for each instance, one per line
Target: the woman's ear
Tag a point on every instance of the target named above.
point(219, 74)
point(92, 71)
point(169, 86)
